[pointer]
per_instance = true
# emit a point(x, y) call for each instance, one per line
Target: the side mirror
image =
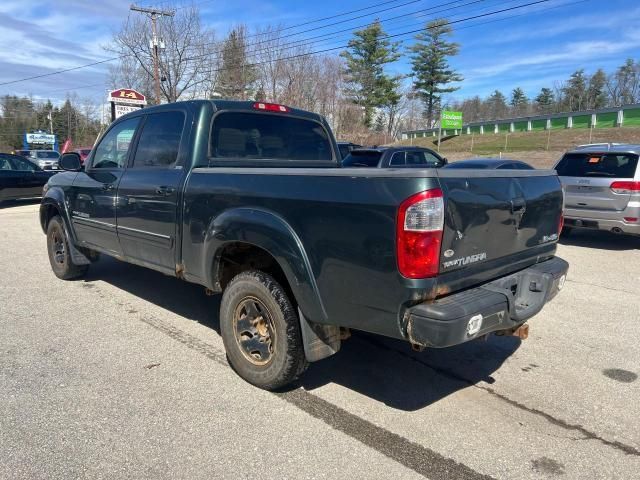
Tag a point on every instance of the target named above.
point(444, 160)
point(70, 162)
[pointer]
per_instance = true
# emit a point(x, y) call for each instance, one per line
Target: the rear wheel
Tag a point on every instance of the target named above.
point(261, 331)
point(58, 249)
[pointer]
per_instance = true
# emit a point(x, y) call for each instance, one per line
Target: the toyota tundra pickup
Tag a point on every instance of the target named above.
point(249, 200)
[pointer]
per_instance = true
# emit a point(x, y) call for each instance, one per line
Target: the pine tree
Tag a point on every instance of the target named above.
point(497, 105)
point(575, 91)
point(432, 74)
point(545, 100)
point(596, 95)
point(519, 101)
point(367, 84)
point(237, 76)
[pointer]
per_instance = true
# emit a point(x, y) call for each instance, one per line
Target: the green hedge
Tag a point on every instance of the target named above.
point(582, 121)
point(606, 120)
point(520, 126)
point(504, 127)
point(631, 117)
point(558, 123)
point(538, 124)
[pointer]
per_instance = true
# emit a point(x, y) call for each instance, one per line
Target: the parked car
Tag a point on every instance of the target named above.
point(45, 159)
point(21, 178)
point(490, 163)
point(247, 199)
point(394, 157)
point(602, 188)
point(346, 147)
point(83, 152)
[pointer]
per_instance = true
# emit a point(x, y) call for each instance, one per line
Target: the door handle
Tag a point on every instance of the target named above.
point(165, 190)
point(518, 205)
point(108, 186)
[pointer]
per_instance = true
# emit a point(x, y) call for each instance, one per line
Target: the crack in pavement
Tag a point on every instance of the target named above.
point(414, 456)
point(588, 434)
point(599, 286)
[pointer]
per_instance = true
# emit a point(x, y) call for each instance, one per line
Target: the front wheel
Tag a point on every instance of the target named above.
point(261, 331)
point(59, 255)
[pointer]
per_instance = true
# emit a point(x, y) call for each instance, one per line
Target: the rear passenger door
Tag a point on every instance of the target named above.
point(147, 214)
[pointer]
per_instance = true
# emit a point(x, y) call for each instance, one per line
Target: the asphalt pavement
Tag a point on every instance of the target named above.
point(123, 375)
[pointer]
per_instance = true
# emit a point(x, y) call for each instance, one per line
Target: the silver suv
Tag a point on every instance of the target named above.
point(601, 186)
point(46, 159)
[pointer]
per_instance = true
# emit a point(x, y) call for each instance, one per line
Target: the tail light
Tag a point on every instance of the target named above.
point(271, 107)
point(629, 188)
point(560, 223)
point(419, 234)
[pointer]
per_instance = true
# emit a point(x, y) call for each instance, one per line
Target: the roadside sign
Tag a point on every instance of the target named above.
point(40, 138)
point(125, 100)
point(451, 120)
point(127, 96)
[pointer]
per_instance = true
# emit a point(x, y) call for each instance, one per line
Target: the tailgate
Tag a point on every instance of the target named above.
point(497, 214)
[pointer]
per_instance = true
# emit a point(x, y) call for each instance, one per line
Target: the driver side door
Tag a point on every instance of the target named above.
point(93, 198)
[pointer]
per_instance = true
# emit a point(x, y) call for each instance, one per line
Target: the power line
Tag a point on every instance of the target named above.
point(495, 12)
point(416, 14)
point(34, 77)
point(509, 17)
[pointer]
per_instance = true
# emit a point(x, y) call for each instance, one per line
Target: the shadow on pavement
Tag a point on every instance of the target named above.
point(600, 239)
point(18, 203)
point(383, 369)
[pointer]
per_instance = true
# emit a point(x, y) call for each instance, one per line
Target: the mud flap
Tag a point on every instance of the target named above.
point(320, 341)
point(77, 257)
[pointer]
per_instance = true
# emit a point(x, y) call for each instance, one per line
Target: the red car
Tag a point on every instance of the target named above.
point(83, 152)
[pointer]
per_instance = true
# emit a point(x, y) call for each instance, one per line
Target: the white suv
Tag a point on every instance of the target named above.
point(601, 185)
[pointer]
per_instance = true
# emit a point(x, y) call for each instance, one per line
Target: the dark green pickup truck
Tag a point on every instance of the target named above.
point(248, 199)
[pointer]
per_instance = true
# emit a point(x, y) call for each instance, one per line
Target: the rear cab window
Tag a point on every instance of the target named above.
point(610, 165)
point(259, 136)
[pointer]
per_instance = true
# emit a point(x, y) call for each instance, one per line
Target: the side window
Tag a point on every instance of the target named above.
point(112, 151)
point(160, 140)
point(397, 159)
point(432, 160)
point(22, 165)
point(415, 158)
point(5, 164)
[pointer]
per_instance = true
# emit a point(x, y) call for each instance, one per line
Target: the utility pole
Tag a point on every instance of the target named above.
point(153, 14)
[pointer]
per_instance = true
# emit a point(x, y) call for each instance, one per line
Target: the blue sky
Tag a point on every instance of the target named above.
point(530, 47)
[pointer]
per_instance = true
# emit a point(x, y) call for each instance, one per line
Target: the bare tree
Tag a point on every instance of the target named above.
point(185, 61)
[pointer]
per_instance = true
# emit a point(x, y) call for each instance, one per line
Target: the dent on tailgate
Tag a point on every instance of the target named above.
point(492, 217)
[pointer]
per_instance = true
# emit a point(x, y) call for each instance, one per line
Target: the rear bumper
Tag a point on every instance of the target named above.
point(501, 304)
point(597, 220)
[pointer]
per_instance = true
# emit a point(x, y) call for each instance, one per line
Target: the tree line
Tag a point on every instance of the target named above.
point(360, 90)
point(353, 89)
point(581, 91)
point(77, 119)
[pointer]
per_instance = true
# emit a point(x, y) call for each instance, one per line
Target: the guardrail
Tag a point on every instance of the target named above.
point(627, 115)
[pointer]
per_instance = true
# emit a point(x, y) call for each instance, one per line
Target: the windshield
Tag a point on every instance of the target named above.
point(364, 158)
point(50, 155)
point(615, 165)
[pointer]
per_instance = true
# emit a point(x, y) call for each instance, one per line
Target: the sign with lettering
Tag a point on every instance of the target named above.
point(41, 138)
point(451, 119)
point(127, 96)
point(125, 100)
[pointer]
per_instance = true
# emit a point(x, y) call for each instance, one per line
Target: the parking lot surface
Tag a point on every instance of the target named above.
point(123, 375)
